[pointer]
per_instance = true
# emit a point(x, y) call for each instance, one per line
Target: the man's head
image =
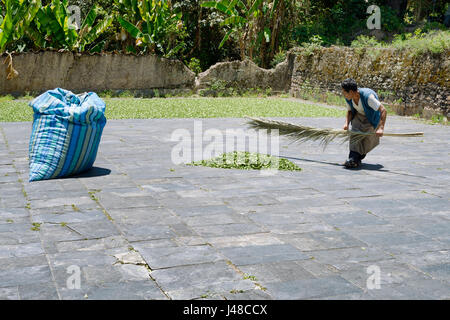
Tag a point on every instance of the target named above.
point(349, 88)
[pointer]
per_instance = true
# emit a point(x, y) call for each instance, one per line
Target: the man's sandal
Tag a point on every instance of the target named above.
point(351, 164)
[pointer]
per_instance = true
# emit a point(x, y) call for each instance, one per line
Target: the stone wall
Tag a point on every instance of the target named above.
point(409, 84)
point(46, 70)
point(247, 75)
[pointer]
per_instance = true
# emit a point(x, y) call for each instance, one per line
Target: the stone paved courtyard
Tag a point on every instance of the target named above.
point(137, 226)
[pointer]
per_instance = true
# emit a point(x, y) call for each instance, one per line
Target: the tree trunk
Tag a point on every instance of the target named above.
point(250, 46)
point(260, 28)
point(279, 14)
point(198, 36)
point(242, 37)
point(199, 31)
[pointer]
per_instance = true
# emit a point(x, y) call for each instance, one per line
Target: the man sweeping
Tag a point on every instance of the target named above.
point(366, 114)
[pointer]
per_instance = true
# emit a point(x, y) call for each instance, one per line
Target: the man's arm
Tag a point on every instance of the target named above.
point(348, 119)
point(380, 130)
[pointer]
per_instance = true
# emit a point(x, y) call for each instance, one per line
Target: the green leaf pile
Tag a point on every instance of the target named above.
point(248, 161)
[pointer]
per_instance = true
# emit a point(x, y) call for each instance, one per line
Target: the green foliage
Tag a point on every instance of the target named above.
point(419, 43)
point(363, 41)
point(36, 226)
point(278, 58)
point(335, 22)
point(430, 26)
point(248, 161)
point(237, 14)
point(390, 22)
point(438, 119)
point(6, 98)
point(47, 26)
point(154, 24)
point(314, 44)
point(52, 29)
point(194, 65)
point(257, 26)
point(202, 33)
point(18, 16)
point(125, 94)
point(155, 108)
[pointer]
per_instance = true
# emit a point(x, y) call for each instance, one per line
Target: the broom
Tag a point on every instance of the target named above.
point(299, 133)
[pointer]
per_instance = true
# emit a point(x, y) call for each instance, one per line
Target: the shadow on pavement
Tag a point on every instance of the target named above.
point(93, 172)
point(364, 166)
point(368, 166)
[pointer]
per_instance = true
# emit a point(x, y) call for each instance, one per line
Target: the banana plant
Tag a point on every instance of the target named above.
point(88, 32)
point(239, 16)
point(52, 29)
point(248, 19)
point(19, 15)
point(153, 24)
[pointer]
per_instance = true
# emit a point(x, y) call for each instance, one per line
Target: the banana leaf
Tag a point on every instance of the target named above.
point(19, 14)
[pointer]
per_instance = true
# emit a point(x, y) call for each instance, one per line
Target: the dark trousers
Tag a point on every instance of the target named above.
point(356, 156)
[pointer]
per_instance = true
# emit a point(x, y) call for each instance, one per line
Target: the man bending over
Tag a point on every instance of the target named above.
point(366, 114)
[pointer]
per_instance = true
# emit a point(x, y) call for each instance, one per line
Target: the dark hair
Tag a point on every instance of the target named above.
point(349, 85)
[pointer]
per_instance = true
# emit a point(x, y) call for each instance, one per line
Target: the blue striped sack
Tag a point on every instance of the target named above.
point(66, 133)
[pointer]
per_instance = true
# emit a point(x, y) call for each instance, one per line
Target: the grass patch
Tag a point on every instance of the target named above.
point(434, 120)
point(12, 110)
point(6, 98)
point(253, 278)
point(420, 43)
point(439, 119)
point(311, 93)
point(212, 108)
point(140, 108)
point(36, 226)
point(416, 43)
point(235, 291)
point(247, 161)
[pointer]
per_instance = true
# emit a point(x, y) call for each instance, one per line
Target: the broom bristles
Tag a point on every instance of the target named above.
point(299, 133)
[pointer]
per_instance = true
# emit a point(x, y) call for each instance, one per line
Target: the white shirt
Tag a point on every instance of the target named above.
point(372, 102)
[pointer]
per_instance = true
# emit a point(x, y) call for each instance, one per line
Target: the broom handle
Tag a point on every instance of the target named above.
point(412, 134)
point(409, 134)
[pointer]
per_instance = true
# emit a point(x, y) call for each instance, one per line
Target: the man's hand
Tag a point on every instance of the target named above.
point(346, 126)
point(379, 132)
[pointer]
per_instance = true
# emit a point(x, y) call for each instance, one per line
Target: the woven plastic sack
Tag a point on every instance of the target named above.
point(67, 129)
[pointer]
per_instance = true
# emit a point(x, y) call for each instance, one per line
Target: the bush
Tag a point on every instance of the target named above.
point(430, 26)
point(419, 43)
point(278, 58)
point(315, 43)
point(363, 41)
point(194, 65)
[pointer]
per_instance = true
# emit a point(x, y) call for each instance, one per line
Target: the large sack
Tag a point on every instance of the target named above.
point(67, 129)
